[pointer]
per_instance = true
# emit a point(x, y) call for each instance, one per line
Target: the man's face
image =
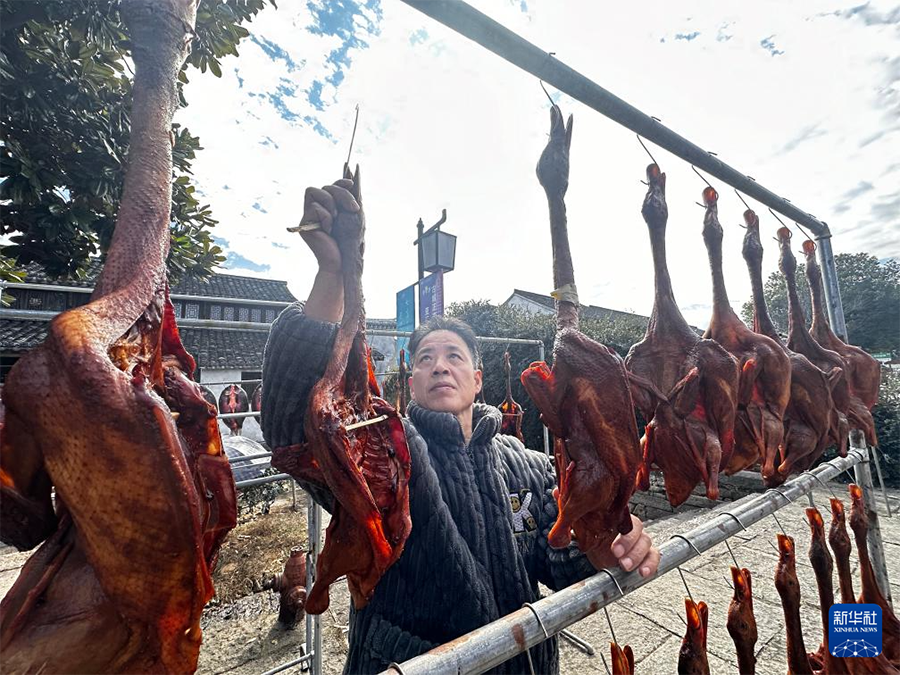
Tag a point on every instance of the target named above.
point(444, 378)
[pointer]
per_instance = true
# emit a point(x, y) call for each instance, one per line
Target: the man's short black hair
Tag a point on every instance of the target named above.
point(461, 328)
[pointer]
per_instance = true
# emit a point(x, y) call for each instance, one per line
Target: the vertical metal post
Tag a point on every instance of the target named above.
point(313, 623)
point(887, 502)
point(876, 547)
point(541, 357)
point(293, 495)
point(420, 230)
point(832, 290)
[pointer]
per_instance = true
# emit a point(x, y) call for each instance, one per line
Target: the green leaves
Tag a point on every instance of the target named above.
point(65, 95)
point(870, 294)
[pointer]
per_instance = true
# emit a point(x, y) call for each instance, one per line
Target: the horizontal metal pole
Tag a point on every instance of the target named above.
point(212, 324)
point(499, 641)
point(493, 36)
point(213, 384)
point(290, 664)
point(277, 478)
point(27, 286)
point(248, 458)
point(232, 416)
point(399, 333)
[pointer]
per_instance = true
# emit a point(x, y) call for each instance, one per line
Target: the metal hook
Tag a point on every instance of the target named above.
point(805, 233)
point(775, 216)
point(728, 582)
point(689, 542)
point(821, 482)
point(641, 141)
point(353, 136)
point(615, 581)
point(728, 546)
point(737, 520)
point(778, 522)
point(680, 618)
point(396, 666)
point(784, 496)
point(605, 664)
point(684, 581)
point(742, 199)
point(702, 177)
point(550, 98)
point(538, 617)
point(609, 623)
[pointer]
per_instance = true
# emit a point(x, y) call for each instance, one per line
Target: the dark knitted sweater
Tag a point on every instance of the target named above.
point(480, 517)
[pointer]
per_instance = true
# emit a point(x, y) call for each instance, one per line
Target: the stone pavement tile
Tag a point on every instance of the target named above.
point(643, 633)
point(664, 659)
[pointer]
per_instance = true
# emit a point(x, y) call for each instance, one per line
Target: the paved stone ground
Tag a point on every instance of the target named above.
point(244, 638)
point(649, 618)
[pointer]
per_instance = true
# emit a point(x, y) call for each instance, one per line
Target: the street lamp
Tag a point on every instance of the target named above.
point(437, 249)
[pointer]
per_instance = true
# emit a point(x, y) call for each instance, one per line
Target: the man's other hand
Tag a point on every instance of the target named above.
point(629, 551)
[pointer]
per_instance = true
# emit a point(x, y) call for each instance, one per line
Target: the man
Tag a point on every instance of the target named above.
point(481, 505)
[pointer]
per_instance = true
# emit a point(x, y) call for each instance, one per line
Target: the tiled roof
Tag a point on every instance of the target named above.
point(233, 349)
point(218, 285)
point(212, 348)
point(589, 311)
point(19, 335)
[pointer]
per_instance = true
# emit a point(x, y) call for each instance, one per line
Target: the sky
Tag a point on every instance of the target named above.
point(803, 96)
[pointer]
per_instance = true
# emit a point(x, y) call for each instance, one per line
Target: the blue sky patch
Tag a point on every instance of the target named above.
point(236, 260)
point(275, 52)
point(418, 37)
point(258, 207)
point(314, 95)
point(769, 46)
point(687, 36)
point(344, 19)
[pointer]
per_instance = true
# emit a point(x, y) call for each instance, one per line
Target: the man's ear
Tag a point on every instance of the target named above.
point(412, 392)
point(477, 381)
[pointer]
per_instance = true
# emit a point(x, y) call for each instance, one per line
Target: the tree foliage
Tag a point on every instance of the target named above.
point(489, 320)
point(65, 89)
point(870, 293)
point(887, 425)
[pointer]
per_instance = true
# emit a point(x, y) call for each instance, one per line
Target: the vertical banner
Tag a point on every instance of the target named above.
point(406, 314)
point(431, 296)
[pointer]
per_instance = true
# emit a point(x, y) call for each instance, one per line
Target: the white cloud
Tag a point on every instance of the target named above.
point(446, 124)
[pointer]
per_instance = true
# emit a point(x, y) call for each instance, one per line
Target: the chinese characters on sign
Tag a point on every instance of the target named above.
point(854, 630)
point(431, 296)
point(406, 314)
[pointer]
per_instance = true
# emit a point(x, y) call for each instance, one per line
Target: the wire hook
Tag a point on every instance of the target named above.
point(550, 98)
point(684, 581)
point(821, 482)
point(641, 141)
point(702, 177)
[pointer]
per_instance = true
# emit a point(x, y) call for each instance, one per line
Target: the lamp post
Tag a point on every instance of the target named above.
point(437, 249)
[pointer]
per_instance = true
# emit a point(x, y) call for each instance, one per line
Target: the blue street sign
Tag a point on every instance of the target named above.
point(431, 296)
point(406, 314)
